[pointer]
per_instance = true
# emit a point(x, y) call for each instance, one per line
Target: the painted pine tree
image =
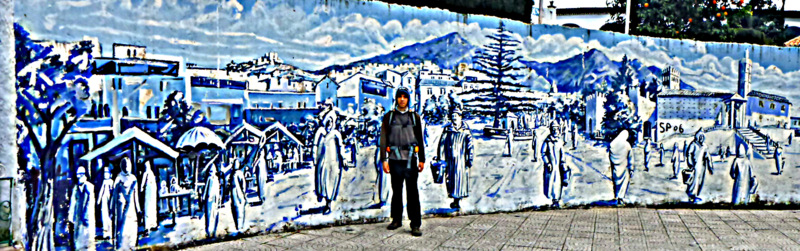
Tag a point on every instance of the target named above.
point(502, 93)
point(620, 111)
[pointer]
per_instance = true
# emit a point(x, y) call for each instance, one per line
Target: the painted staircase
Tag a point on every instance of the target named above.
point(758, 141)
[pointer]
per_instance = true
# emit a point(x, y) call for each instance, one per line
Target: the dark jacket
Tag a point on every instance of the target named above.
point(385, 127)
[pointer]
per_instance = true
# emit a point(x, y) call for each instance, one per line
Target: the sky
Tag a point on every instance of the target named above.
point(313, 34)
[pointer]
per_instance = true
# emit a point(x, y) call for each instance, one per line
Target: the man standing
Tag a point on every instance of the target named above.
point(778, 156)
point(149, 187)
point(104, 203)
point(620, 155)
point(212, 197)
point(401, 139)
point(574, 137)
point(329, 160)
point(744, 180)
point(647, 154)
point(533, 145)
point(699, 161)
point(553, 157)
point(81, 212)
point(676, 161)
point(456, 150)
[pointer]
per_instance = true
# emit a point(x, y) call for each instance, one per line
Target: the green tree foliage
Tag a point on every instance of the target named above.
point(757, 21)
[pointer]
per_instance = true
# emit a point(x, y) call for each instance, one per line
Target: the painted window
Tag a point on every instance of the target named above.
point(761, 103)
point(783, 108)
point(772, 106)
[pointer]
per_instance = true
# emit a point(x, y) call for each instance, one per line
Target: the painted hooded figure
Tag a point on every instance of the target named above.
point(212, 198)
point(676, 161)
point(621, 159)
point(534, 143)
point(238, 195)
point(104, 203)
point(81, 212)
point(553, 157)
point(149, 187)
point(699, 161)
point(126, 206)
point(329, 162)
point(648, 153)
point(778, 157)
point(456, 150)
point(743, 178)
point(262, 172)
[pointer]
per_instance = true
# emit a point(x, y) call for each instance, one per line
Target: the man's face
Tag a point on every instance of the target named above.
point(81, 177)
point(457, 119)
point(402, 101)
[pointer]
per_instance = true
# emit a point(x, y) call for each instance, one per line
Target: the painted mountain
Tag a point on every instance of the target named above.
point(446, 51)
point(591, 68)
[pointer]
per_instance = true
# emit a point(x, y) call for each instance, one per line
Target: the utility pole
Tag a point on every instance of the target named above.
point(627, 16)
point(541, 11)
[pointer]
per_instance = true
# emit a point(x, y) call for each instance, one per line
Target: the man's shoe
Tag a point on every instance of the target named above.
point(394, 225)
point(416, 232)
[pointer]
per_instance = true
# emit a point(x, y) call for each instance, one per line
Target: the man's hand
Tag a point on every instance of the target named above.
point(386, 166)
point(421, 166)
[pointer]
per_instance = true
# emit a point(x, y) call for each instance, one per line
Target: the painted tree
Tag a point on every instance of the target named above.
point(178, 117)
point(620, 111)
point(52, 93)
point(504, 94)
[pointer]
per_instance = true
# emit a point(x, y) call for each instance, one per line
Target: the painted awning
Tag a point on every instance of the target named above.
point(131, 134)
point(278, 127)
point(239, 130)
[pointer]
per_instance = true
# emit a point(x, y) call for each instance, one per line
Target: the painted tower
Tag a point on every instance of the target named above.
point(745, 66)
point(671, 78)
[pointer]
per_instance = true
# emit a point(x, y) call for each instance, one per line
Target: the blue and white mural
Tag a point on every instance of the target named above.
point(160, 122)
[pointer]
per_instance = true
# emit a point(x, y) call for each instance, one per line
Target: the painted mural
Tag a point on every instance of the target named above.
point(144, 123)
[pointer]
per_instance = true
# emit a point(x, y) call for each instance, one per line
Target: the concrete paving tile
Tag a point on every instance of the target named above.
point(460, 242)
point(472, 233)
point(522, 240)
point(398, 240)
point(485, 244)
point(516, 248)
point(292, 240)
point(424, 243)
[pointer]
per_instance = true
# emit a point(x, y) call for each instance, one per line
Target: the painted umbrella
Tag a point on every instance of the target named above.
point(196, 140)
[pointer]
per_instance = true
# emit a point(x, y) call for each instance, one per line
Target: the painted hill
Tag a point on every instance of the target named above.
point(446, 51)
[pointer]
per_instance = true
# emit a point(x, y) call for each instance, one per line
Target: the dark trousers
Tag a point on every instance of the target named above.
point(400, 173)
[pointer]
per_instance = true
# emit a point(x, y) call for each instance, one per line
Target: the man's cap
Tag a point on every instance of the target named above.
point(402, 91)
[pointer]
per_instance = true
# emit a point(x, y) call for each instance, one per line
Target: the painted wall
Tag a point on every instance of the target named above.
point(217, 162)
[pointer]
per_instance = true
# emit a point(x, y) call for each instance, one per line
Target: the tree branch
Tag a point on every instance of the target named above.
point(33, 137)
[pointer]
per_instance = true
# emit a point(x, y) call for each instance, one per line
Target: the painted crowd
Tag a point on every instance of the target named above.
point(121, 148)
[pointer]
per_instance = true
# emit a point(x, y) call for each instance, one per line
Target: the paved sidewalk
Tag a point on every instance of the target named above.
point(580, 229)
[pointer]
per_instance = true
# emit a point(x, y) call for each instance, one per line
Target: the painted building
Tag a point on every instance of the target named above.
point(358, 88)
point(436, 90)
point(326, 89)
point(136, 86)
point(766, 109)
point(685, 111)
point(594, 114)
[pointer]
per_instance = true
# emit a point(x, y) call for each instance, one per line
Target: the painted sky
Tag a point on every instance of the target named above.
point(313, 34)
